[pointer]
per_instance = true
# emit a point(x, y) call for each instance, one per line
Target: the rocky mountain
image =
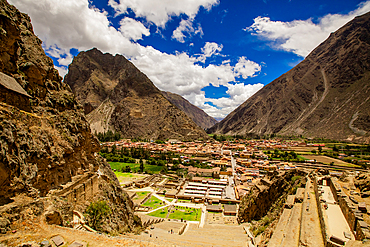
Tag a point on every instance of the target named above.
point(196, 114)
point(47, 151)
point(327, 95)
point(117, 96)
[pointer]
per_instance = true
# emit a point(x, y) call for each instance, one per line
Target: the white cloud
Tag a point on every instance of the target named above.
point(186, 28)
point(159, 12)
point(239, 93)
point(210, 49)
point(62, 70)
point(246, 68)
point(302, 36)
point(133, 29)
point(67, 24)
point(72, 24)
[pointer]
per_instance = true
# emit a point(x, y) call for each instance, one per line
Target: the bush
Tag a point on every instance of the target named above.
point(295, 178)
point(96, 211)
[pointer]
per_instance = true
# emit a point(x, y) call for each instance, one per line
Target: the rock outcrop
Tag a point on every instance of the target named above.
point(45, 140)
point(265, 193)
point(196, 114)
point(325, 96)
point(362, 181)
point(117, 96)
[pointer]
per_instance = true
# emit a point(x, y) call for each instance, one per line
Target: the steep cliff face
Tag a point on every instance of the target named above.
point(201, 118)
point(117, 96)
point(45, 139)
point(326, 95)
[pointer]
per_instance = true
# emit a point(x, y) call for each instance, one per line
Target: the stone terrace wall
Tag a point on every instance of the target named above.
point(347, 209)
point(319, 209)
point(81, 190)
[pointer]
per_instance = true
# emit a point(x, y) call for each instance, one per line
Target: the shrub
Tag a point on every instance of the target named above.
point(96, 211)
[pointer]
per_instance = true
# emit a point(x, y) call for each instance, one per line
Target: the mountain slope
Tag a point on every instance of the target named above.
point(327, 95)
point(117, 96)
point(196, 114)
point(45, 140)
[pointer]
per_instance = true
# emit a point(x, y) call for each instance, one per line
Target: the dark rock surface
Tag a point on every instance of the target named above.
point(44, 136)
point(265, 193)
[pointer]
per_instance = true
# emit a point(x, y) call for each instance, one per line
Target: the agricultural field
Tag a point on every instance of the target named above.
point(135, 167)
point(327, 160)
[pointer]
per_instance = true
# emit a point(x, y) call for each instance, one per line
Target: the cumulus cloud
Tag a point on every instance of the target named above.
point(246, 68)
point(159, 12)
point(220, 107)
point(302, 36)
point(179, 74)
point(210, 49)
point(72, 23)
point(67, 24)
point(186, 28)
point(133, 29)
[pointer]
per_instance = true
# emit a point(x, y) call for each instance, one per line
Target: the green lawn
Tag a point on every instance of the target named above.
point(160, 213)
point(119, 165)
point(140, 195)
point(191, 214)
point(135, 167)
point(153, 202)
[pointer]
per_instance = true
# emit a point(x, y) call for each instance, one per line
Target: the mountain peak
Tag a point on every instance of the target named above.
point(326, 95)
point(117, 96)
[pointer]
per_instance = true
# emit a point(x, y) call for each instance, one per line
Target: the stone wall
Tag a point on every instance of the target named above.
point(319, 209)
point(82, 189)
point(348, 210)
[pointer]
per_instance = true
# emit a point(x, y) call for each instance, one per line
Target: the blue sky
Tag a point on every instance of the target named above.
point(215, 53)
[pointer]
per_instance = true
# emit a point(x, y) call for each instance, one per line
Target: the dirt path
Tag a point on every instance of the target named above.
point(31, 231)
point(310, 227)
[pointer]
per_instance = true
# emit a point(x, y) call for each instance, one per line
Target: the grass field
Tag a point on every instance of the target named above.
point(140, 195)
point(153, 202)
point(160, 213)
point(191, 214)
point(135, 167)
point(124, 177)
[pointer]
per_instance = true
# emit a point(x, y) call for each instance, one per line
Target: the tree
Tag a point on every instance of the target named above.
point(313, 151)
point(141, 165)
point(96, 211)
point(320, 149)
point(127, 169)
